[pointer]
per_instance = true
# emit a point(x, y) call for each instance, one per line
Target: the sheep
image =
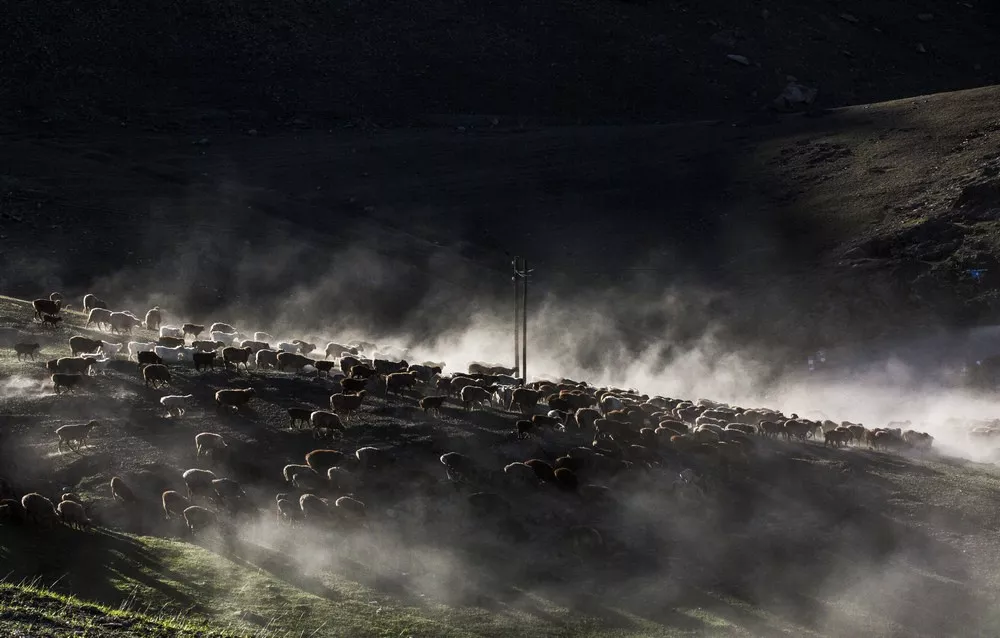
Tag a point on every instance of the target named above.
point(50, 321)
point(120, 491)
point(837, 437)
point(234, 398)
point(352, 386)
point(170, 342)
point(38, 509)
point(199, 481)
point(110, 349)
point(363, 371)
point(286, 346)
point(347, 364)
point(341, 480)
point(565, 479)
point(255, 346)
point(173, 354)
point(174, 504)
point(206, 346)
point(76, 432)
point(46, 307)
point(156, 374)
point(372, 457)
point(203, 360)
point(323, 420)
point(72, 513)
point(266, 358)
point(350, 507)
point(301, 476)
point(99, 317)
point(346, 403)
point(172, 331)
point(222, 327)
point(337, 349)
point(148, 357)
point(313, 507)
point(325, 367)
point(523, 429)
point(432, 404)
point(135, 347)
point(525, 398)
point(123, 322)
point(192, 329)
point(26, 350)
point(458, 466)
point(323, 460)
point(473, 394)
point(262, 336)
point(74, 365)
point(236, 356)
point(62, 381)
point(292, 359)
point(226, 338)
point(299, 414)
point(91, 301)
point(208, 443)
point(396, 382)
point(303, 347)
point(78, 344)
point(199, 518)
point(288, 510)
point(521, 474)
point(228, 490)
point(176, 403)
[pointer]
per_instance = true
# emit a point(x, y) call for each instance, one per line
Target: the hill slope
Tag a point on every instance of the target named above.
point(804, 540)
point(254, 61)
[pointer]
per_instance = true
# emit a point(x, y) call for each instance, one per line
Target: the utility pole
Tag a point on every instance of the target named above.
point(517, 309)
point(521, 273)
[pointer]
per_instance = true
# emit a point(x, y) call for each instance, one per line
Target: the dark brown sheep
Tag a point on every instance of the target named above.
point(122, 492)
point(234, 398)
point(46, 306)
point(170, 342)
point(204, 360)
point(353, 386)
point(66, 382)
point(346, 403)
point(236, 356)
point(174, 504)
point(323, 460)
point(26, 350)
point(156, 375)
point(299, 415)
point(192, 329)
point(432, 404)
point(542, 469)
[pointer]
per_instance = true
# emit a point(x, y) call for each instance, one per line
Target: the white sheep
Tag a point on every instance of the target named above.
point(110, 349)
point(228, 338)
point(176, 404)
point(262, 336)
point(135, 347)
point(170, 355)
point(284, 346)
point(171, 331)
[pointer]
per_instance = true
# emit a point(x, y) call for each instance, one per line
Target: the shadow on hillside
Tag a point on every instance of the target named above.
point(102, 565)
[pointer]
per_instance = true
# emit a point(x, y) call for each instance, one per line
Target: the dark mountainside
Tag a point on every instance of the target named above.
point(408, 150)
point(604, 58)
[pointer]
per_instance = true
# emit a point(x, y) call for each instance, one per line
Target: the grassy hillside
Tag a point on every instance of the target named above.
point(804, 541)
point(248, 63)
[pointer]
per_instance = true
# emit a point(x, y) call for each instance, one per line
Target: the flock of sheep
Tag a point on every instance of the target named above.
point(594, 440)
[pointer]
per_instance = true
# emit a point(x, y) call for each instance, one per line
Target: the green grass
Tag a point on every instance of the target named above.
point(29, 610)
point(167, 587)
